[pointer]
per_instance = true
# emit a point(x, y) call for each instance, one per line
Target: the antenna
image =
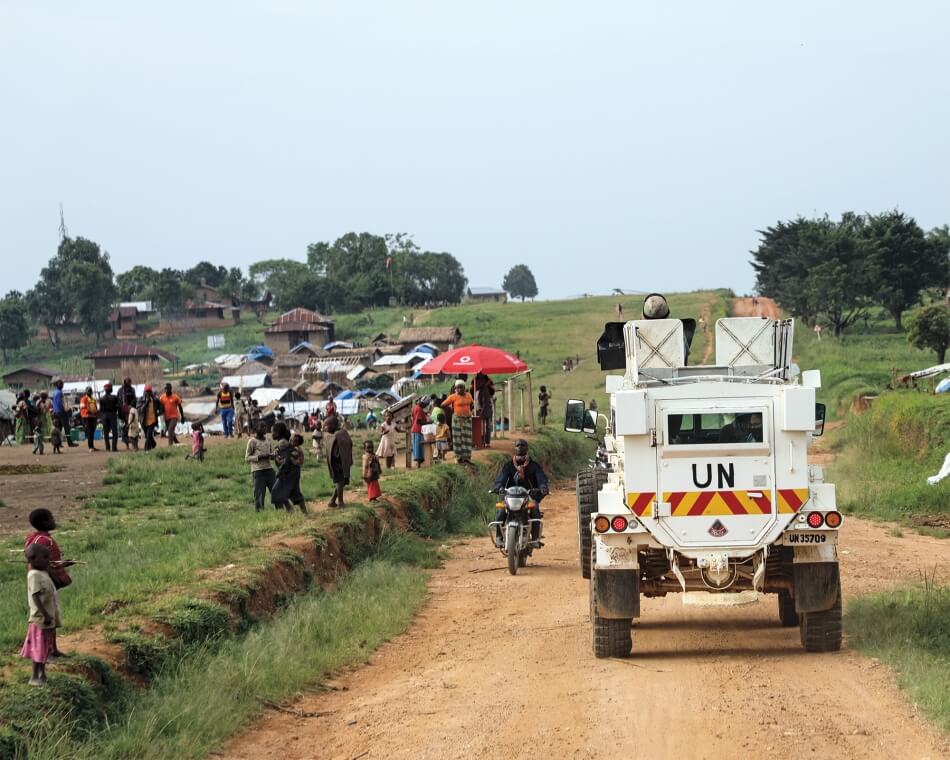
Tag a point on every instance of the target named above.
point(63, 231)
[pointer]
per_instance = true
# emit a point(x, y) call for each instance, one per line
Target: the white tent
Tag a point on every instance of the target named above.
point(244, 382)
point(81, 385)
point(230, 361)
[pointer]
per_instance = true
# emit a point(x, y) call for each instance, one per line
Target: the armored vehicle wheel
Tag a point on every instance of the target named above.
point(786, 610)
point(821, 631)
point(588, 484)
point(611, 638)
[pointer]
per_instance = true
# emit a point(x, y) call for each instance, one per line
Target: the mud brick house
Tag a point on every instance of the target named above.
point(443, 338)
point(29, 377)
point(298, 326)
point(116, 359)
point(486, 295)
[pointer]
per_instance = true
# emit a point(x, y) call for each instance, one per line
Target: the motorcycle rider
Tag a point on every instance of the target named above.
point(522, 470)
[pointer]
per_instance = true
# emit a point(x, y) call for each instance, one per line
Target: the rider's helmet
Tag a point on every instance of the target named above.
point(655, 307)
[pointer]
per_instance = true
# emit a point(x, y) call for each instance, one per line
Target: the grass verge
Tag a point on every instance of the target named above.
point(884, 456)
point(910, 631)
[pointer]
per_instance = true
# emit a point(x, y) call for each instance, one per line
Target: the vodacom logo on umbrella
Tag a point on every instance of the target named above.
point(464, 359)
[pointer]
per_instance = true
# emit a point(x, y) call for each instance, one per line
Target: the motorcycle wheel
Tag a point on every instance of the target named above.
point(523, 558)
point(511, 547)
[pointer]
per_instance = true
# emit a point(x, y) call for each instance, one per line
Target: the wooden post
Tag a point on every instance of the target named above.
point(510, 400)
point(531, 404)
point(521, 415)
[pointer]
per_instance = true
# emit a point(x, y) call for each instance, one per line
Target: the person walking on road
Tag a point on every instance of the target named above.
point(259, 454)
point(109, 414)
point(225, 405)
point(339, 458)
point(461, 403)
point(127, 402)
point(149, 411)
point(89, 414)
point(172, 412)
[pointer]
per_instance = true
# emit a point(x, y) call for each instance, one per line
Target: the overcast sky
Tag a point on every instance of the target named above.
point(605, 144)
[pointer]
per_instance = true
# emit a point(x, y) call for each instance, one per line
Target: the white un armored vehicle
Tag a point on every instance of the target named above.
point(702, 482)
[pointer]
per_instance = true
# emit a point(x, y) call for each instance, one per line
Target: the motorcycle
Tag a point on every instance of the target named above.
point(515, 526)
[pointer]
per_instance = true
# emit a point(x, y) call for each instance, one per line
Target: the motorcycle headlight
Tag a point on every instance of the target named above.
point(515, 504)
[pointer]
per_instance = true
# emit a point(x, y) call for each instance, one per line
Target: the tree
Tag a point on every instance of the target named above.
point(134, 285)
point(930, 329)
point(291, 283)
point(206, 272)
point(520, 282)
point(169, 291)
point(903, 261)
point(14, 327)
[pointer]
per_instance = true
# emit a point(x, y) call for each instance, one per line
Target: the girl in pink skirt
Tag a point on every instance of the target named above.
point(44, 613)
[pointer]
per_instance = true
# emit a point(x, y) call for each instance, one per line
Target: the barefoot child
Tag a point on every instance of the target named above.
point(37, 440)
point(443, 435)
point(43, 524)
point(44, 613)
point(133, 429)
point(197, 441)
point(56, 437)
point(371, 471)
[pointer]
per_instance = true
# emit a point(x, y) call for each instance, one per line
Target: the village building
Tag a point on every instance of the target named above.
point(299, 326)
point(29, 377)
point(442, 338)
point(129, 359)
point(486, 295)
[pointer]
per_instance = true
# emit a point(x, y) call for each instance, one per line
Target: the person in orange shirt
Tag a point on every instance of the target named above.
point(89, 412)
point(171, 411)
point(461, 402)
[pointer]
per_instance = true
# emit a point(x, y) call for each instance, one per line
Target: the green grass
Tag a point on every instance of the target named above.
point(192, 708)
point(884, 456)
point(910, 631)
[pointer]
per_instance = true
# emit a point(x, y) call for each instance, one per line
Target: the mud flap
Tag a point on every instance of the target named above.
point(618, 594)
point(816, 586)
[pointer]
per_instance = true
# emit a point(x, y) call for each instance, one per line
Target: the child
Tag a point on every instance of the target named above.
point(43, 524)
point(40, 642)
point(544, 400)
point(371, 471)
point(197, 442)
point(316, 443)
point(56, 437)
point(133, 429)
point(289, 458)
point(37, 440)
point(258, 454)
point(443, 434)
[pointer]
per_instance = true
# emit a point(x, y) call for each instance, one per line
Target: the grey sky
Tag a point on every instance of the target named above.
point(604, 144)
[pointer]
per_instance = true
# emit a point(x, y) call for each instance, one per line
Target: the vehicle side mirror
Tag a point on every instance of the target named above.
point(575, 416)
point(819, 419)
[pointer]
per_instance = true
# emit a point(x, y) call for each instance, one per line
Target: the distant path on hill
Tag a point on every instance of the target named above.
point(766, 307)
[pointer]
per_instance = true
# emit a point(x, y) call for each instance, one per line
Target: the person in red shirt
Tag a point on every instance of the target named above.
point(43, 524)
point(420, 417)
point(171, 411)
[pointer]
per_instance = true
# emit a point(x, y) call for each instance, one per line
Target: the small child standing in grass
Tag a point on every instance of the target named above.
point(197, 441)
point(44, 613)
point(371, 471)
point(133, 429)
point(443, 436)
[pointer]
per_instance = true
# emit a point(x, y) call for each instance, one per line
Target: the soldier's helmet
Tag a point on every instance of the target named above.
point(655, 307)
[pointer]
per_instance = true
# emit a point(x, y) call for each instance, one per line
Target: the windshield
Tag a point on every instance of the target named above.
point(721, 427)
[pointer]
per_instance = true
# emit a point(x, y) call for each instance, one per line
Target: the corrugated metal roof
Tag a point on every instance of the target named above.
point(282, 327)
point(124, 349)
point(413, 359)
point(302, 315)
point(35, 370)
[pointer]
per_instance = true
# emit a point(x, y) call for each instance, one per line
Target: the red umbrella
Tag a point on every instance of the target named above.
point(472, 359)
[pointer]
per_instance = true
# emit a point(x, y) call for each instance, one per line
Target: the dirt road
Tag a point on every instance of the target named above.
point(760, 307)
point(500, 667)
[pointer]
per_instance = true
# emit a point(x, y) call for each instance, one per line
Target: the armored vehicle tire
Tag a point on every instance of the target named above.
point(821, 631)
point(611, 638)
point(786, 610)
point(511, 546)
point(588, 484)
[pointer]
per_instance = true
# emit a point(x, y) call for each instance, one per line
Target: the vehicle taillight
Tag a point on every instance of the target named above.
point(833, 519)
point(619, 523)
point(815, 519)
point(601, 524)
